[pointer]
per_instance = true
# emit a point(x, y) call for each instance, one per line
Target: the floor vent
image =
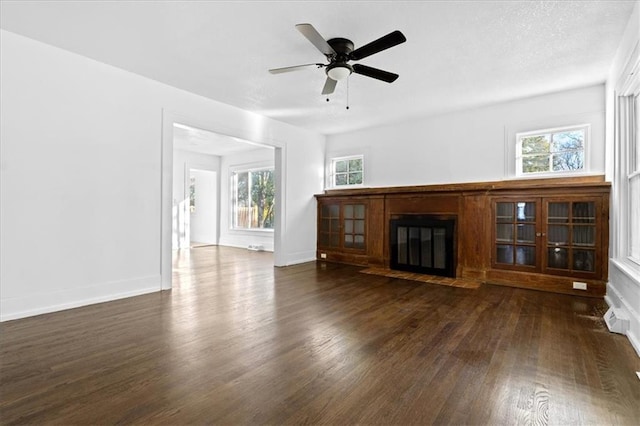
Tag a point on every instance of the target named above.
point(616, 321)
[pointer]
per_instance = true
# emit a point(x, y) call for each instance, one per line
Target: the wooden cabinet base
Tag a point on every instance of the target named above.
point(544, 282)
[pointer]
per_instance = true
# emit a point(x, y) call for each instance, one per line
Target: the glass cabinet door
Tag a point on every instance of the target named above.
point(571, 235)
point(515, 233)
point(329, 232)
point(354, 226)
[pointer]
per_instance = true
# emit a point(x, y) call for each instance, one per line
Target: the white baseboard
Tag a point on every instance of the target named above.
point(47, 302)
point(299, 257)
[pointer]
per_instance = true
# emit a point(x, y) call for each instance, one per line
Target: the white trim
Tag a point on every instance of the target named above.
point(42, 303)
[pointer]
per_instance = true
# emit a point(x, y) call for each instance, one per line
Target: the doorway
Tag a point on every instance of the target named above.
point(203, 216)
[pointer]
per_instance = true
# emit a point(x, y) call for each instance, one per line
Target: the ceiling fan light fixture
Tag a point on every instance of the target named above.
point(339, 72)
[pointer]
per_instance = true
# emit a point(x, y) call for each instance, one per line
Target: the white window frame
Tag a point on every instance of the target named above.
point(633, 168)
point(334, 174)
point(233, 194)
point(586, 128)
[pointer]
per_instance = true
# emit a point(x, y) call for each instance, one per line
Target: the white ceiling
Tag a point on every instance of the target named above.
point(458, 54)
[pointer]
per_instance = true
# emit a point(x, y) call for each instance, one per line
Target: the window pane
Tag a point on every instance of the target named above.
point(535, 144)
point(341, 166)
point(341, 179)
point(535, 164)
point(355, 178)
point(355, 165)
point(254, 199)
point(572, 160)
point(568, 141)
point(634, 217)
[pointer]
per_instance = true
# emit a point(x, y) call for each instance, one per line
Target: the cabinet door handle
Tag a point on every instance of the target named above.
point(538, 234)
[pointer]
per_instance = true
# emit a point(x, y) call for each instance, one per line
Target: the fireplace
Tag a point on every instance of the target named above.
point(423, 243)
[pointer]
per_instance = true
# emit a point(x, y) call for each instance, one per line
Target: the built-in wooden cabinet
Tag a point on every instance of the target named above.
point(544, 234)
point(558, 235)
point(342, 225)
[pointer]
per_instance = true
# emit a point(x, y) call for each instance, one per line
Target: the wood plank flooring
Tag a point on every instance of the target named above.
point(238, 341)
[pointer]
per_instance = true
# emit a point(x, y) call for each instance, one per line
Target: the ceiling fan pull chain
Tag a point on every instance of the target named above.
point(347, 93)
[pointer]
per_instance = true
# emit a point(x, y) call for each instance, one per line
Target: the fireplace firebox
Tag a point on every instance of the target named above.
point(423, 244)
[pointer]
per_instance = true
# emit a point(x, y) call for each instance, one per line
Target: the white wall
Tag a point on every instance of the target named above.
point(81, 177)
point(471, 145)
point(235, 237)
point(623, 288)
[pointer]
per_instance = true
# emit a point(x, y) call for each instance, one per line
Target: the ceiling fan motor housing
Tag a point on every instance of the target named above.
point(338, 69)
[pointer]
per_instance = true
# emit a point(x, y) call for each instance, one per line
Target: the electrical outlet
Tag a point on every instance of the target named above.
point(577, 285)
point(323, 255)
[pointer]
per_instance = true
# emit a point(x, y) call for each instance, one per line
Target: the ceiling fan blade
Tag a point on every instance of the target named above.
point(329, 86)
point(294, 68)
point(385, 42)
point(389, 77)
point(316, 39)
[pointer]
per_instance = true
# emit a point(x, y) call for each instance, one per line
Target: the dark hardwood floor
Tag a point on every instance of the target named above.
point(240, 342)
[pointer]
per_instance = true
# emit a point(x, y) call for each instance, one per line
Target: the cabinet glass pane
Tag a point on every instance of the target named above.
point(504, 212)
point(326, 210)
point(504, 232)
point(504, 254)
point(348, 226)
point(583, 260)
point(558, 258)
point(334, 210)
point(558, 213)
point(584, 212)
point(359, 228)
point(584, 235)
point(526, 212)
point(358, 241)
point(526, 255)
point(558, 234)
point(335, 240)
point(526, 233)
point(348, 211)
point(348, 241)
point(335, 225)
point(325, 225)
point(359, 211)
point(324, 239)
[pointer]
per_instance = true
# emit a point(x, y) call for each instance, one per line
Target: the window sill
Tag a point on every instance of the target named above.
point(629, 268)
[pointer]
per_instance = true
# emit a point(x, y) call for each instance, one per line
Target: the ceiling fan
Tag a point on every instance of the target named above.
point(339, 51)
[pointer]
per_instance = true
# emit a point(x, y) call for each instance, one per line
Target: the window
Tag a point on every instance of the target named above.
point(633, 177)
point(347, 171)
point(253, 199)
point(551, 151)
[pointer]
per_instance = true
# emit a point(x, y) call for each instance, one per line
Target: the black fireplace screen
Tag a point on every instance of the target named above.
point(423, 244)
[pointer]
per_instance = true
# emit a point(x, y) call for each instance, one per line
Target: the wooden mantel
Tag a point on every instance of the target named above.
point(473, 205)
